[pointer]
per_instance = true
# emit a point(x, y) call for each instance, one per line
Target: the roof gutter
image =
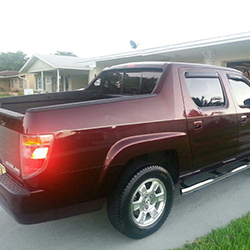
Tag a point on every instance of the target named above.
point(176, 47)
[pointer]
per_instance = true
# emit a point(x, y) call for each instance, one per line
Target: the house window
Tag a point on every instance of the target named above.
point(15, 81)
point(48, 80)
point(21, 83)
point(39, 85)
point(67, 78)
point(11, 83)
point(61, 83)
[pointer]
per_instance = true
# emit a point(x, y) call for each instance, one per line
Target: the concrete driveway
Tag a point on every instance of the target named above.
point(192, 215)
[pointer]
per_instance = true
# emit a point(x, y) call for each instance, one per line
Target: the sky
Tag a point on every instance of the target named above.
point(95, 28)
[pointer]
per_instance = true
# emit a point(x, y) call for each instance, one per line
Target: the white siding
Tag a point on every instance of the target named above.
point(79, 81)
point(39, 65)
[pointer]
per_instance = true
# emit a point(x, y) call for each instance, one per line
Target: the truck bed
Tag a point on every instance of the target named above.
point(20, 104)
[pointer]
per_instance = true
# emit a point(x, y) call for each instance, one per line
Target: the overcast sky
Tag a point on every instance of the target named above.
point(94, 28)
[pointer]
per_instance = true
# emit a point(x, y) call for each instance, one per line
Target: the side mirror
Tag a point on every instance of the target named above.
point(247, 102)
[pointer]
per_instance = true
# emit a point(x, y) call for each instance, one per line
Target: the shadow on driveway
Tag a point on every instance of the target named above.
point(192, 216)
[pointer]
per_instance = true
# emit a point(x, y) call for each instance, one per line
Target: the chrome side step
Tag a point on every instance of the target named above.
point(217, 176)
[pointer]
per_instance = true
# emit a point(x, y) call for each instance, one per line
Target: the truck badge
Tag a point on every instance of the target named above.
point(2, 169)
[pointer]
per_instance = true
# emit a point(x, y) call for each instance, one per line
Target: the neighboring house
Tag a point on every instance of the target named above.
point(54, 73)
point(13, 81)
point(229, 51)
point(63, 73)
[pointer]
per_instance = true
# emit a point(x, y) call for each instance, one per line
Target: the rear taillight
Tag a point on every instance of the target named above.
point(34, 151)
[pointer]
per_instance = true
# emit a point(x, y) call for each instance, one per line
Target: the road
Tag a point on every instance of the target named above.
point(192, 216)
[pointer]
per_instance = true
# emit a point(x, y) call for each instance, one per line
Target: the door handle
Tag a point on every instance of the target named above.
point(198, 125)
point(243, 119)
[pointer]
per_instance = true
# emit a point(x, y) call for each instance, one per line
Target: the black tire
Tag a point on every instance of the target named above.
point(139, 213)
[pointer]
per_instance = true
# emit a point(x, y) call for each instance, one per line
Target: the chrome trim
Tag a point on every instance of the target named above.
point(199, 185)
point(233, 159)
point(240, 168)
point(196, 186)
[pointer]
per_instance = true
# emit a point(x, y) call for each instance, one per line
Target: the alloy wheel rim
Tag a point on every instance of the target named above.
point(148, 202)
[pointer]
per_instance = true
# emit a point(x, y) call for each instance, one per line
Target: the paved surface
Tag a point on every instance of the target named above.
point(192, 216)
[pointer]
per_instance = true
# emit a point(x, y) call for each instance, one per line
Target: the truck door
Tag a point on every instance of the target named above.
point(211, 117)
point(240, 87)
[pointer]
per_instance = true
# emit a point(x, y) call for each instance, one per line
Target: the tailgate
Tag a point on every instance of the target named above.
point(10, 129)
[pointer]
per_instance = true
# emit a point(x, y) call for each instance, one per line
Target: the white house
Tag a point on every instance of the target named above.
point(49, 70)
point(73, 72)
point(228, 51)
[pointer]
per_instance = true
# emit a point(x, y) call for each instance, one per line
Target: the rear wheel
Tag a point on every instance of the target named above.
point(141, 201)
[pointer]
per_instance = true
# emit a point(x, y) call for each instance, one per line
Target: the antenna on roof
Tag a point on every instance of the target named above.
point(133, 44)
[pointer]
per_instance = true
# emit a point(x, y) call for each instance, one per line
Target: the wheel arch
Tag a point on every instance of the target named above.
point(161, 148)
point(168, 159)
point(135, 146)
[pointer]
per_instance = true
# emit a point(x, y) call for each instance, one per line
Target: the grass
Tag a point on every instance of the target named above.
point(236, 236)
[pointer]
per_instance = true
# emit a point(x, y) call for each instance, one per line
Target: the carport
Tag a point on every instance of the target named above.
point(232, 51)
point(243, 66)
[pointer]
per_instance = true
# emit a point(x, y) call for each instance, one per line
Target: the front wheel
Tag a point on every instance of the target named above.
point(141, 201)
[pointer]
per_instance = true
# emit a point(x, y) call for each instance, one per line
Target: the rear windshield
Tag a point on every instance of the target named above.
point(126, 83)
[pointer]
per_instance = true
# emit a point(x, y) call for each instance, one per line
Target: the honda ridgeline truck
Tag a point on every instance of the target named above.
point(126, 139)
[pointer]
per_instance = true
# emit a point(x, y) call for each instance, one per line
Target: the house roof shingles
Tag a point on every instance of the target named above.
point(7, 73)
point(61, 62)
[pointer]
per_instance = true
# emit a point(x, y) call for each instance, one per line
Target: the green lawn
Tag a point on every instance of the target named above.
point(236, 236)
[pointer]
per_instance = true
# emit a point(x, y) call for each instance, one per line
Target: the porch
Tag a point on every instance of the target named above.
point(47, 81)
point(58, 73)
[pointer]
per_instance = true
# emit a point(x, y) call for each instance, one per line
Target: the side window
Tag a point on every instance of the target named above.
point(149, 81)
point(135, 83)
point(131, 83)
point(241, 91)
point(112, 83)
point(205, 91)
point(96, 85)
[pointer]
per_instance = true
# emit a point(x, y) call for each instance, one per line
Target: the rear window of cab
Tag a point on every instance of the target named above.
point(127, 83)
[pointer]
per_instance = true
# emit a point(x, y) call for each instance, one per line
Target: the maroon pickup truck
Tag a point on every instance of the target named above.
point(134, 132)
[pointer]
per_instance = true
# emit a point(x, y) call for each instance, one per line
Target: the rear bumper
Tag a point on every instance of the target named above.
point(25, 206)
point(30, 207)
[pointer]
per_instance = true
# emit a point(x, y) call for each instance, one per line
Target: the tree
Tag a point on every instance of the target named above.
point(65, 53)
point(12, 60)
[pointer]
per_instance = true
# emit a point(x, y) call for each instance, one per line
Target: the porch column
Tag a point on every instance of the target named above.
point(208, 57)
point(27, 81)
point(58, 80)
point(42, 79)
